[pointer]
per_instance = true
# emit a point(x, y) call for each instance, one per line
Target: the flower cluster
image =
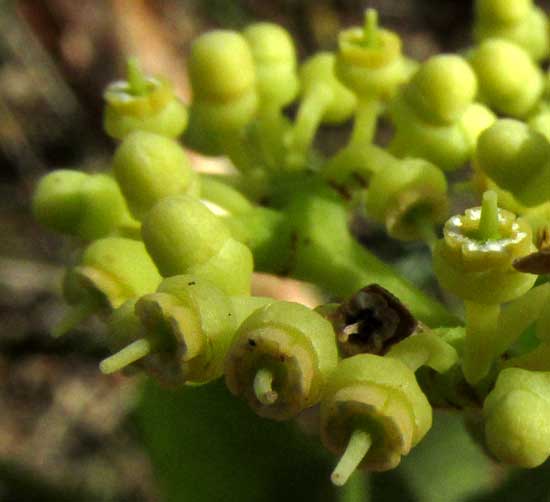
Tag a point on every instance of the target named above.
point(173, 279)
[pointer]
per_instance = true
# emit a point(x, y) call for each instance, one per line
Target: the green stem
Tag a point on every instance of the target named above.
point(488, 222)
point(263, 387)
point(235, 145)
point(253, 186)
point(426, 229)
point(481, 340)
point(363, 161)
point(272, 125)
point(358, 446)
point(311, 231)
point(364, 126)
point(320, 219)
point(310, 114)
point(128, 355)
point(518, 315)
point(369, 269)
point(425, 349)
point(135, 77)
point(223, 195)
point(356, 489)
point(536, 360)
point(74, 316)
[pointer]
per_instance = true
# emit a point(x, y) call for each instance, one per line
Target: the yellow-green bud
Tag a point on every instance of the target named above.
point(509, 81)
point(517, 159)
point(89, 206)
point(149, 167)
point(275, 59)
point(223, 80)
point(517, 411)
point(442, 89)
point(518, 21)
point(184, 237)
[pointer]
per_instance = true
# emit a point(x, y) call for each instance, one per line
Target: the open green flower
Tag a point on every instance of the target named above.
point(143, 103)
point(281, 359)
point(369, 60)
point(373, 412)
point(111, 271)
point(475, 257)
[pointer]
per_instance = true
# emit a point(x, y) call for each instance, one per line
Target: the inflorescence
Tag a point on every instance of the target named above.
point(172, 278)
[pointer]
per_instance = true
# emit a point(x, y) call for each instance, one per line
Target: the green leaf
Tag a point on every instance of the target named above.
point(447, 465)
point(206, 445)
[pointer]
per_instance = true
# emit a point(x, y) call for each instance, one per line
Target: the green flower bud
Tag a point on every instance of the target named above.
point(88, 206)
point(474, 258)
point(517, 159)
point(517, 411)
point(442, 89)
point(111, 271)
point(223, 79)
point(408, 197)
point(369, 60)
point(518, 21)
point(509, 81)
point(434, 116)
point(142, 104)
point(275, 59)
point(281, 359)
point(374, 411)
point(184, 236)
point(149, 167)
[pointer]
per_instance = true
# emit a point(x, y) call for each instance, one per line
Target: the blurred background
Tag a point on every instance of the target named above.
point(67, 433)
